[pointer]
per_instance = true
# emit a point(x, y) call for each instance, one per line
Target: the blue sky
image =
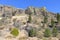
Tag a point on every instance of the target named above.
point(51, 5)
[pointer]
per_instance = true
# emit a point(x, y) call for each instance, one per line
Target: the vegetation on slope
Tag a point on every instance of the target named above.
point(47, 33)
point(14, 32)
point(55, 32)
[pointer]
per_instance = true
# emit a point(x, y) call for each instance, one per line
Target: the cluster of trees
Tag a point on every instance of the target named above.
point(54, 32)
point(49, 33)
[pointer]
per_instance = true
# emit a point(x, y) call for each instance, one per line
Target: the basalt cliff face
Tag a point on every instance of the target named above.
point(24, 20)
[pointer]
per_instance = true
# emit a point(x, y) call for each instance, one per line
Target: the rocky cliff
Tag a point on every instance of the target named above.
point(25, 20)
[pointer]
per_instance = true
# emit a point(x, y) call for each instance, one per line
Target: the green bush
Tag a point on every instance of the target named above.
point(54, 31)
point(32, 33)
point(14, 32)
point(52, 22)
point(47, 33)
point(29, 18)
point(58, 17)
point(45, 19)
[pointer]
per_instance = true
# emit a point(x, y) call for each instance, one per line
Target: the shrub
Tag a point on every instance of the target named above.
point(32, 33)
point(54, 31)
point(45, 19)
point(58, 17)
point(29, 19)
point(14, 32)
point(47, 33)
point(52, 22)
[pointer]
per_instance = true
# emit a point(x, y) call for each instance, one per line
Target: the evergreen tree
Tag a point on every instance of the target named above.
point(32, 32)
point(47, 33)
point(54, 31)
point(58, 17)
point(29, 18)
point(52, 22)
point(45, 19)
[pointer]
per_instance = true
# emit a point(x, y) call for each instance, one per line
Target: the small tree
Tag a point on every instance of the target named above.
point(47, 33)
point(58, 17)
point(45, 19)
point(54, 31)
point(29, 18)
point(52, 22)
point(32, 32)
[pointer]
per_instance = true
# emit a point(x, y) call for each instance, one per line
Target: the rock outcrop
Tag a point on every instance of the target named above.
point(11, 17)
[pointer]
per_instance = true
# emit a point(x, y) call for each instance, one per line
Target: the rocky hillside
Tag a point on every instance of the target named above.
point(28, 24)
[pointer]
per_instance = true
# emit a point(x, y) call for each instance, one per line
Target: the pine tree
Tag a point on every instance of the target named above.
point(52, 22)
point(45, 19)
point(32, 32)
point(58, 17)
point(54, 31)
point(29, 18)
point(47, 33)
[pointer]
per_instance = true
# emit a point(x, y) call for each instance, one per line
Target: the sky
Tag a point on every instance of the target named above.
point(51, 5)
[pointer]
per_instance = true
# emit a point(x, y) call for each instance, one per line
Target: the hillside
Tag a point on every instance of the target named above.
point(31, 23)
